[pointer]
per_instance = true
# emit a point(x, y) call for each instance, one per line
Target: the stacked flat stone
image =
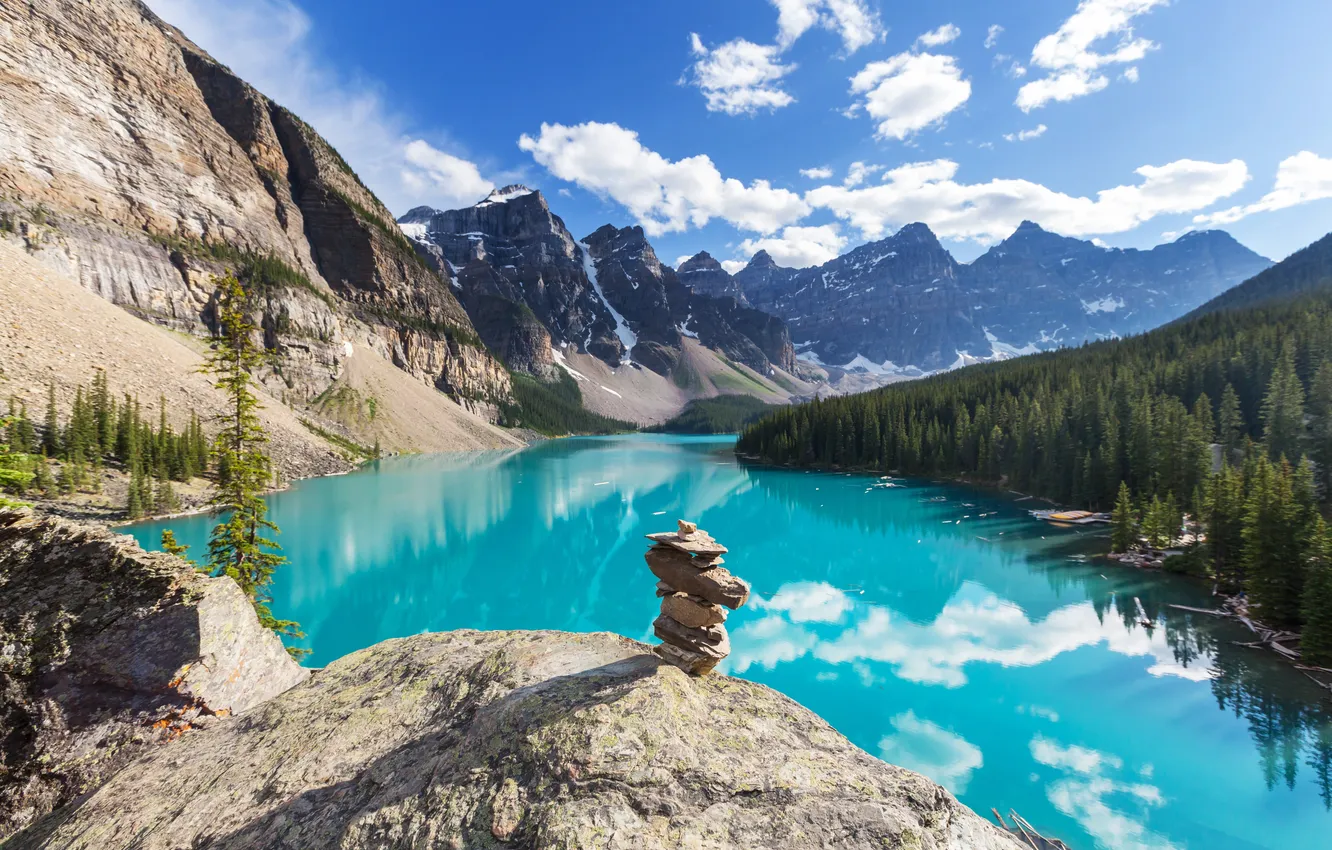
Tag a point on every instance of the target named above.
point(696, 591)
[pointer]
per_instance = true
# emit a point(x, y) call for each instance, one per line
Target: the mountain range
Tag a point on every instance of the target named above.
point(457, 300)
point(902, 306)
point(894, 308)
point(602, 308)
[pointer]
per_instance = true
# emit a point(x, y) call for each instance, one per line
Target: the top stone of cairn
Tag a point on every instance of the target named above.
point(689, 539)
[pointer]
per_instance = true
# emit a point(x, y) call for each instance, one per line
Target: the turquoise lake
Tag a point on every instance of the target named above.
point(935, 626)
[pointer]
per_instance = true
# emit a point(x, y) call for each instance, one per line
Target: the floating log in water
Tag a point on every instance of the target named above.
point(1211, 611)
point(1142, 614)
point(1028, 833)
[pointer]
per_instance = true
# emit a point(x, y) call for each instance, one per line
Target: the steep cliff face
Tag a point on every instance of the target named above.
point(519, 271)
point(902, 306)
point(147, 168)
point(541, 740)
point(705, 276)
point(898, 299)
point(106, 652)
point(510, 249)
point(660, 308)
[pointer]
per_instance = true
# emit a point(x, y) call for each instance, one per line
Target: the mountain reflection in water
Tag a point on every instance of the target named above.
point(935, 626)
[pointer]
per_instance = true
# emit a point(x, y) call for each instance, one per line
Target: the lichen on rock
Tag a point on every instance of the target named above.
point(107, 651)
point(516, 739)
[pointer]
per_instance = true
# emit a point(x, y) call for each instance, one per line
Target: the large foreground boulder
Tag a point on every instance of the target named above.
point(515, 739)
point(106, 652)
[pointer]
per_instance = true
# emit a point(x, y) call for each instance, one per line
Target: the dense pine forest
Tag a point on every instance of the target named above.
point(100, 432)
point(555, 408)
point(1224, 420)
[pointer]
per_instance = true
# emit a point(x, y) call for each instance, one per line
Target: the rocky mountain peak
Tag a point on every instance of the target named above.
point(700, 262)
point(705, 276)
point(509, 193)
point(918, 232)
point(762, 260)
point(418, 214)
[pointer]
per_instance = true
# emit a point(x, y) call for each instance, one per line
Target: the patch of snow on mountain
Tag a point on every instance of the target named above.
point(504, 196)
point(1003, 351)
point(563, 364)
point(627, 337)
point(1103, 305)
point(414, 230)
point(683, 327)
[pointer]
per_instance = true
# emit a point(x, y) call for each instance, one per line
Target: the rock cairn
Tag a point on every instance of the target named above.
point(695, 591)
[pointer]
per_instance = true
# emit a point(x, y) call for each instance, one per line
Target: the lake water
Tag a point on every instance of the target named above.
point(937, 627)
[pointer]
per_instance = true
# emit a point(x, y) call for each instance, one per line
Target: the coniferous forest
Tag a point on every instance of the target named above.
point(1223, 420)
point(101, 431)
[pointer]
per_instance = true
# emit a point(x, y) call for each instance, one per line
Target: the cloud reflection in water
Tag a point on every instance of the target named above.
point(975, 626)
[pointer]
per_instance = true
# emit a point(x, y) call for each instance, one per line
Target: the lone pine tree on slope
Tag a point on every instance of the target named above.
point(240, 545)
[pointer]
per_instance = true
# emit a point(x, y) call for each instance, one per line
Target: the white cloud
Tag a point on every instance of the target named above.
point(858, 171)
point(929, 192)
point(1300, 179)
point(939, 37)
point(733, 266)
point(1025, 135)
point(992, 36)
point(1088, 786)
point(929, 749)
point(739, 77)
point(663, 195)
point(267, 42)
point(1074, 67)
point(432, 169)
point(799, 247)
point(909, 92)
point(1130, 74)
point(682, 259)
point(742, 78)
point(852, 20)
point(821, 172)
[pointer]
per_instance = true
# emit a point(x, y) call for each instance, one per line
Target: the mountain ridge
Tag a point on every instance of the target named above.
point(902, 306)
point(606, 296)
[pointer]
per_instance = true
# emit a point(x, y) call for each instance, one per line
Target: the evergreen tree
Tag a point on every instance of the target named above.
point(43, 480)
point(15, 476)
point(1283, 410)
point(1231, 428)
point(134, 504)
point(1124, 522)
point(51, 425)
point(1316, 637)
point(240, 545)
point(1222, 518)
point(22, 436)
point(172, 547)
point(1320, 436)
point(1274, 543)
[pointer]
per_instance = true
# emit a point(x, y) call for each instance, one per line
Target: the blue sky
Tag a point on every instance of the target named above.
point(1127, 121)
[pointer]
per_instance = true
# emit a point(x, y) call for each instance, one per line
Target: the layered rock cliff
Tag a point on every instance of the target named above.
point(140, 164)
point(902, 306)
